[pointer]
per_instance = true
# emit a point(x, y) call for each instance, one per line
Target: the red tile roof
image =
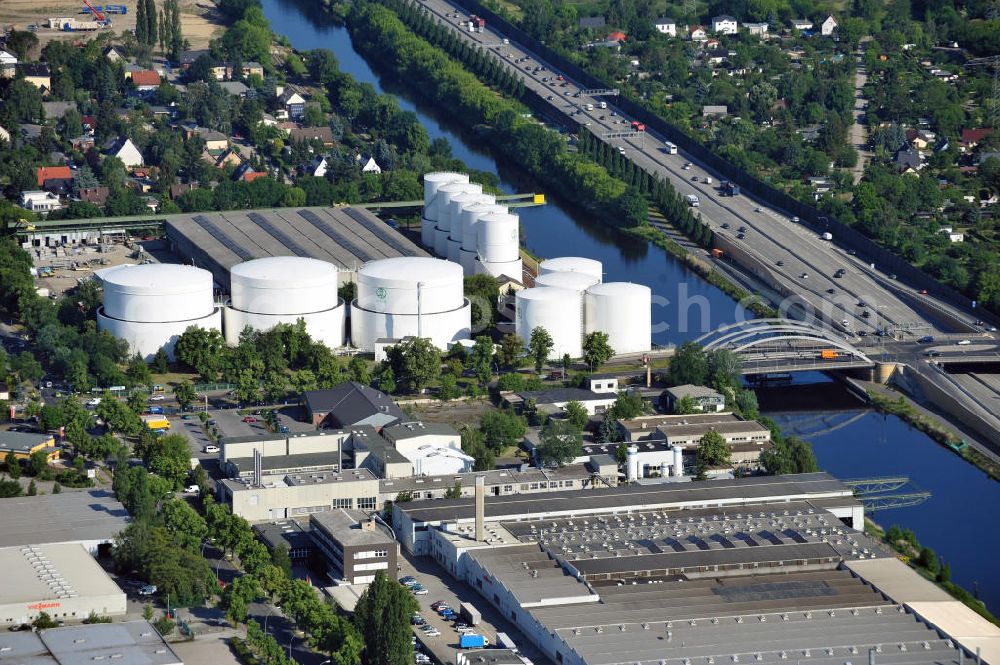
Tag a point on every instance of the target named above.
point(975, 135)
point(145, 77)
point(53, 173)
point(250, 176)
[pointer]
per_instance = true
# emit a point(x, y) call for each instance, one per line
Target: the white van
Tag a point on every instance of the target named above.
point(671, 148)
point(604, 105)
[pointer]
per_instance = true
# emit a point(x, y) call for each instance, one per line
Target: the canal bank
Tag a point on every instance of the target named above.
point(685, 307)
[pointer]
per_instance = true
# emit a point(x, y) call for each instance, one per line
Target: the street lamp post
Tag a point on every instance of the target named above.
point(290, 640)
point(270, 612)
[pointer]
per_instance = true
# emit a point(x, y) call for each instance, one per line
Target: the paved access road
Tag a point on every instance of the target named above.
point(807, 262)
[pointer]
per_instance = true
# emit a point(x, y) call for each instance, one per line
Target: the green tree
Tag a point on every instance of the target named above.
point(119, 417)
point(382, 617)
point(454, 492)
point(481, 359)
point(928, 559)
point(138, 372)
point(483, 293)
point(13, 465)
point(161, 363)
point(416, 361)
point(281, 560)
point(38, 462)
point(712, 452)
point(689, 365)
point(510, 352)
point(560, 442)
point(185, 395)
point(576, 413)
point(32, 488)
point(627, 405)
point(501, 429)
point(597, 350)
point(686, 405)
point(56, 488)
point(539, 347)
point(170, 458)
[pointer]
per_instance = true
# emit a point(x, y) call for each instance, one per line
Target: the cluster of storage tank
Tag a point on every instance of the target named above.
point(151, 305)
point(466, 226)
point(570, 301)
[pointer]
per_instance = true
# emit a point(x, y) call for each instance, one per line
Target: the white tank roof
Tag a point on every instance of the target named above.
point(544, 294)
point(573, 264)
point(283, 272)
point(619, 289)
point(156, 279)
point(409, 270)
point(445, 176)
point(575, 281)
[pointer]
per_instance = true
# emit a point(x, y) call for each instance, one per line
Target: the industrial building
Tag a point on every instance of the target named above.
point(759, 570)
point(345, 237)
point(282, 496)
point(297, 452)
point(63, 580)
point(467, 227)
point(91, 518)
point(151, 305)
point(289, 533)
point(410, 297)
point(354, 546)
point(433, 448)
point(128, 643)
point(351, 404)
point(24, 444)
point(284, 289)
point(705, 399)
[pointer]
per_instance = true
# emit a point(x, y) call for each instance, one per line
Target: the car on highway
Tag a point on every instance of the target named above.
point(964, 342)
point(741, 236)
point(421, 659)
point(192, 489)
point(725, 225)
point(211, 449)
point(978, 323)
point(932, 354)
point(780, 263)
point(804, 275)
point(758, 209)
point(923, 292)
point(687, 166)
point(742, 229)
point(157, 398)
point(926, 339)
point(862, 333)
point(866, 314)
point(549, 98)
point(795, 220)
point(831, 291)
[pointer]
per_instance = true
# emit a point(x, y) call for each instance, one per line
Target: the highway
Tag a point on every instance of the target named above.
point(800, 261)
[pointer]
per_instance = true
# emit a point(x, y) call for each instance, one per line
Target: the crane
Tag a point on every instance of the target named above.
point(98, 15)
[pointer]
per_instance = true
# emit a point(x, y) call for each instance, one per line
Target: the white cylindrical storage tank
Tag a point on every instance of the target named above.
point(470, 217)
point(575, 281)
point(573, 264)
point(623, 311)
point(390, 291)
point(432, 183)
point(284, 289)
point(664, 469)
point(151, 305)
point(442, 202)
point(633, 463)
point(678, 465)
point(455, 207)
point(558, 311)
point(498, 238)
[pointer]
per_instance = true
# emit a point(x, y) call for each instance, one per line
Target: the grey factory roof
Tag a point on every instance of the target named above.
point(345, 526)
point(530, 575)
point(351, 403)
point(90, 515)
point(740, 490)
point(49, 572)
point(21, 442)
point(128, 643)
point(692, 390)
point(650, 423)
point(493, 477)
point(304, 478)
point(347, 237)
point(412, 430)
point(277, 463)
point(284, 532)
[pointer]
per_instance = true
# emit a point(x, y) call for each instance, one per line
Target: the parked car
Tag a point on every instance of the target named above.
point(249, 419)
point(157, 398)
point(192, 489)
point(964, 342)
point(211, 448)
point(419, 591)
point(147, 590)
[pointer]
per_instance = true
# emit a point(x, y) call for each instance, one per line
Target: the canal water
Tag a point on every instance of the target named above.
point(849, 441)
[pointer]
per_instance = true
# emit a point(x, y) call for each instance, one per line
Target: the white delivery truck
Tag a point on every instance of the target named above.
point(692, 200)
point(604, 105)
point(827, 236)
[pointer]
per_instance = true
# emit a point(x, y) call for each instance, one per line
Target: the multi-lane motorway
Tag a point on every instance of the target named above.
point(788, 253)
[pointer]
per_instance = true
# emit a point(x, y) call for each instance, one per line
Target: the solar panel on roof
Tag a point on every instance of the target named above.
point(278, 234)
point(337, 236)
point(380, 230)
point(213, 229)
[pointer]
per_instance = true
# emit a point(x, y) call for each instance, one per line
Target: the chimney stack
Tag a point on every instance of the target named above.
point(480, 508)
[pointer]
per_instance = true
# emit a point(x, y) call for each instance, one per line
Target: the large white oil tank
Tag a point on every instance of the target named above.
point(558, 311)
point(284, 289)
point(151, 305)
point(391, 292)
point(572, 264)
point(455, 207)
point(623, 311)
point(441, 203)
point(575, 281)
point(498, 245)
point(432, 183)
point(469, 219)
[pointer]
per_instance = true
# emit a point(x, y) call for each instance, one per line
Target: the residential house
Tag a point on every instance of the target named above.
point(369, 165)
point(713, 110)
point(268, 120)
point(756, 29)
point(828, 26)
point(592, 22)
point(317, 167)
point(114, 54)
point(617, 36)
point(725, 25)
point(89, 123)
point(235, 88)
point(554, 400)
point(246, 173)
point(221, 72)
point(293, 103)
point(667, 26)
point(4, 392)
point(37, 74)
point(187, 58)
point(179, 188)
point(919, 138)
point(323, 134)
point(125, 150)
point(98, 195)
point(83, 143)
point(907, 160)
point(716, 56)
point(160, 111)
point(953, 236)
point(696, 33)
point(215, 141)
point(228, 158)
point(144, 80)
point(252, 69)
point(705, 399)
point(971, 137)
point(37, 201)
point(801, 24)
point(56, 179)
point(8, 65)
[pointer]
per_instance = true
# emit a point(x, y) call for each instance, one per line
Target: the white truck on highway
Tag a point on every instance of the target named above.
point(692, 200)
point(589, 107)
point(827, 236)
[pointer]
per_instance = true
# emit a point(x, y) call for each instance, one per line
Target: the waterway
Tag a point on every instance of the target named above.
point(849, 441)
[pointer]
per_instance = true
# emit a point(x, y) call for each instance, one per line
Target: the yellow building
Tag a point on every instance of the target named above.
point(24, 444)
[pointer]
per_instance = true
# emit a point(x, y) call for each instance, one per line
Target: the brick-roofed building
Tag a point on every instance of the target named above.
point(145, 80)
point(351, 404)
point(54, 178)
